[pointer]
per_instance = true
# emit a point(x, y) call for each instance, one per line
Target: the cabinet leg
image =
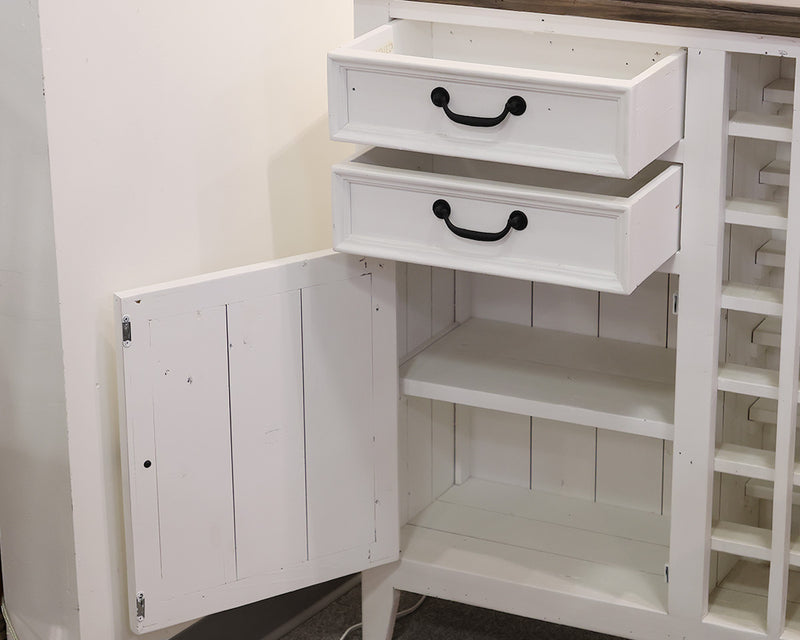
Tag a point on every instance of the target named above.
point(379, 602)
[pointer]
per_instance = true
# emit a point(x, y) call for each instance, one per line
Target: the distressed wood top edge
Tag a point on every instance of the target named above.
point(767, 17)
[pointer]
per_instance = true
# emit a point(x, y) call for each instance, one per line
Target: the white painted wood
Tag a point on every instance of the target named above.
point(501, 299)
point(764, 490)
point(540, 535)
point(768, 332)
point(548, 374)
point(179, 328)
point(761, 126)
point(379, 603)
point(561, 510)
point(697, 355)
point(592, 106)
point(563, 458)
point(772, 254)
point(741, 540)
point(418, 455)
point(500, 445)
point(190, 476)
point(443, 291)
point(751, 381)
point(463, 443)
point(265, 363)
point(563, 455)
point(745, 461)
point(622, 456)
point(642, 318)
point(584, 231)
point(785, 440)
point(369, 14)
point(443, 448)
point(775, 173)
point(337, 365)
point(780, 90)
point(419, 307)
point(755, 213)
point(752, 298)
point(764, 410)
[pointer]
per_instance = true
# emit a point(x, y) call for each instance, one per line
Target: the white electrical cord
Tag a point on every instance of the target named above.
point(401, 614)
point(10, 633)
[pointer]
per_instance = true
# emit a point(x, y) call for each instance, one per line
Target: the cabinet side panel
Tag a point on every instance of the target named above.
point(339, 415)
point(267, 433)
point(192, 453)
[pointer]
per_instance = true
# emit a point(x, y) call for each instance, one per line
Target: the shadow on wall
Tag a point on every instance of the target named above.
point(300, 191)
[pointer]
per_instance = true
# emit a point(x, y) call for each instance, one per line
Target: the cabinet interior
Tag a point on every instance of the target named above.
point(519, 49)
point(582, 488)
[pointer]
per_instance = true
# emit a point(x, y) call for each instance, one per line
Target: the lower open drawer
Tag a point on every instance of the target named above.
point(592, 232)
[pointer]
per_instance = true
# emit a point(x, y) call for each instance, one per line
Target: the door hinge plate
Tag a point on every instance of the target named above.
point(140, 606)
point(126, 331)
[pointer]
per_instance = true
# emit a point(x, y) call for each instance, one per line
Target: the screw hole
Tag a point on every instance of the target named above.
point(147, 464)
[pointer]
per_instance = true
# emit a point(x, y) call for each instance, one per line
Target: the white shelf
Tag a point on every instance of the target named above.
point(750, 381)
point(543, 542)
point(745, 124)
point(780, 91)
point(756, 213)
point(740, 601)
point(768, 332)
point(752, 298)
point(741, 540)
point(772, 254)
point(764, 490)
point(609, 384)
point(776, 173)
point(745, 461)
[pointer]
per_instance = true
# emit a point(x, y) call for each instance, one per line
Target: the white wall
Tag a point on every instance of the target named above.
point(184, 136)
point(35, 515)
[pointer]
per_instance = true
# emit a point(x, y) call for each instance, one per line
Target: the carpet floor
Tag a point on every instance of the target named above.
point(436, 620)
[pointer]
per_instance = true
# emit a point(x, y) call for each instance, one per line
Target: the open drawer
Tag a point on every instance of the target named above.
point(606, 234)
point(561, 102)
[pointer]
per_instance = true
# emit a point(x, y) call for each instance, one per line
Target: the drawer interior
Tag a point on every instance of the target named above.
point(512, 174)
point(518, 49)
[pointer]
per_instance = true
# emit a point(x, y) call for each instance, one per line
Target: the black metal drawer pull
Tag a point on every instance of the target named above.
point(517, 220)
point(515, 105)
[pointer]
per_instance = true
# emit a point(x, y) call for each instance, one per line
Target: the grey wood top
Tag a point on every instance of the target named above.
point(769, 17)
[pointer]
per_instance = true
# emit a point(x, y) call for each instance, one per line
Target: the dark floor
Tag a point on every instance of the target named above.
point(436, 620)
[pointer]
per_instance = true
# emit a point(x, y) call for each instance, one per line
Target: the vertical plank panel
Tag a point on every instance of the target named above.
point(443, 300)
point(563, 458)
point(463, 442)
point(419, 310)
point(267, 432)
point(640, 317)
point(339, 427)
point(419, 436)
point(502, 299)
point(500, 447)
point(402, 308)
point(443, 447)
point(563, 455)
point(193, 449)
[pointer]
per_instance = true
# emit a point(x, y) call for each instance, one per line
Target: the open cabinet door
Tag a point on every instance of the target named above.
point(258, 433)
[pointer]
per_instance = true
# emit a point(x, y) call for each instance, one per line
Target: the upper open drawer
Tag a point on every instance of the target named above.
point(560, 102)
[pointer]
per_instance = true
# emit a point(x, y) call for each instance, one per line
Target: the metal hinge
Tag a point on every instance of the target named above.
point(675, 304)
point(126, 331)
point(666, 573)
point(140, 606)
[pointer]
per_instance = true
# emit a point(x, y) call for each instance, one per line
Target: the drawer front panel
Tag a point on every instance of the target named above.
point(580, 115)
point(601, 242)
